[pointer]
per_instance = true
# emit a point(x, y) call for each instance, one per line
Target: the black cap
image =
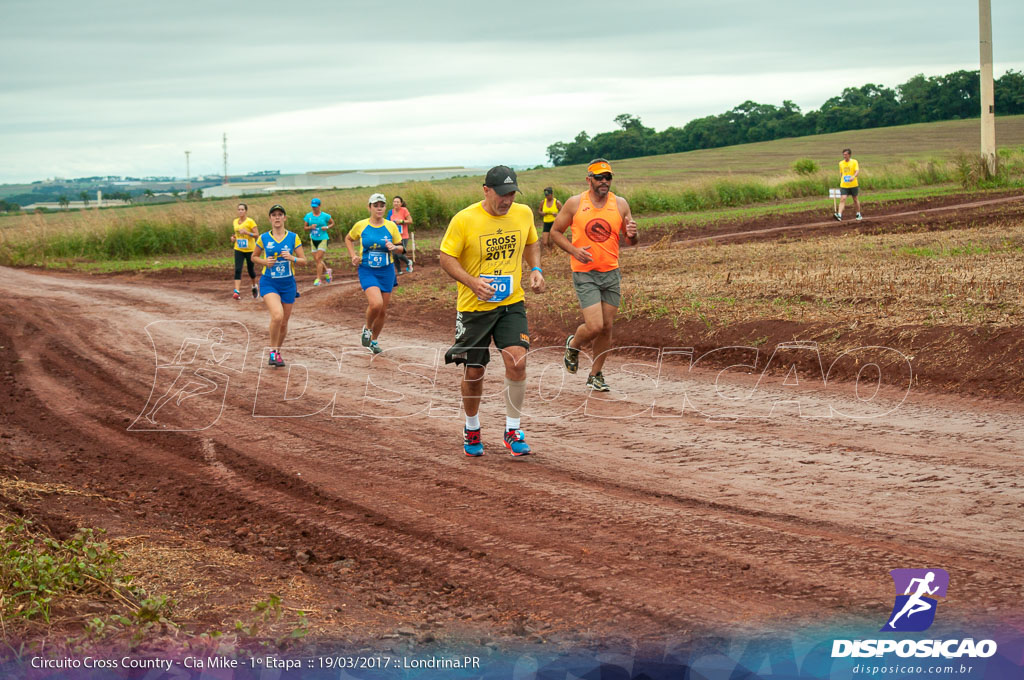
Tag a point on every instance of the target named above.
point(502, 179)
point(548, 190)
point(277, 206)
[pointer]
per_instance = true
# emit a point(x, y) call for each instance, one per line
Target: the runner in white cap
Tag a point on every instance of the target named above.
point(378, 240)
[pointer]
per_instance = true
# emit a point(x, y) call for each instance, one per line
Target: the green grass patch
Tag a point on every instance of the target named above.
point(940, 251)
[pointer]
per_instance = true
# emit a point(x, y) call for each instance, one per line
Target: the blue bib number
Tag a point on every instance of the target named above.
point(281, 269)
point(242, 242)
point(502, 285)
point(376, 259)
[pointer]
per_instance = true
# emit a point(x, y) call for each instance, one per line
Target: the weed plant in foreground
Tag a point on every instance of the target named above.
point(47, 584)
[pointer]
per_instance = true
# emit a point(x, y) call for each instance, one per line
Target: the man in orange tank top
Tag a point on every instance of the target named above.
point(599, 219)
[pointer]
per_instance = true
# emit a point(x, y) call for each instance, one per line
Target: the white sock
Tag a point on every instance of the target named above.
point(473, 422)
point(511, 423)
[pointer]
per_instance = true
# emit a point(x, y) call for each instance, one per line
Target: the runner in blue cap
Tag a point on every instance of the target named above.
point(317, 223)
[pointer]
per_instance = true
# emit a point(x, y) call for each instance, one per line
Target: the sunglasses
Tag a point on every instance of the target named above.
point(603, 177)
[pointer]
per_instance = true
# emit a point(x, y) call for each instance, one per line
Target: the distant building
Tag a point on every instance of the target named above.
point(338, 179)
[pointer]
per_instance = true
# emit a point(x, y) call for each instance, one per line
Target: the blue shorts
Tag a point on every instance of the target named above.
point(286, 288)
point(377, 277)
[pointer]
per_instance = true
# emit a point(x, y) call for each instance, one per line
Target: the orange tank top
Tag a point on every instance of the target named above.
point(598, 228)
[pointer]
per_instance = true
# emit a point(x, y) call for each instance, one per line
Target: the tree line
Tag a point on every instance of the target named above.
point(919, 100)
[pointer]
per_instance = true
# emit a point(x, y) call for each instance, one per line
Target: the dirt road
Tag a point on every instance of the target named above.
point(743, 506)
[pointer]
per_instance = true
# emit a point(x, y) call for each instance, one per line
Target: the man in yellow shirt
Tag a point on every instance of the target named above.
point(483, 250)
point(849, 168)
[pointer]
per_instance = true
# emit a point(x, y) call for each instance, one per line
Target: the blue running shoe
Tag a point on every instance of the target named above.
point(515, 441)
point(471, 443)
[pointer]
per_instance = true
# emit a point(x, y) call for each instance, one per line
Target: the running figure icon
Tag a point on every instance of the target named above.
point(917, 593)
point(916, 604)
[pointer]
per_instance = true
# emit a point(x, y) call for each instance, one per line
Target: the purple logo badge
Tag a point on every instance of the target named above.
point(916, 598)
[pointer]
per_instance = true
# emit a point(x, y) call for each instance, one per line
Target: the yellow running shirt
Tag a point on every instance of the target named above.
point(848, 168)
point(549, 211)
point(243, 242)
point(486, 245)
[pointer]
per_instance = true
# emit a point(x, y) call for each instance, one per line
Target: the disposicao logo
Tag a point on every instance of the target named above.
point(914, 609)
point(913, 612)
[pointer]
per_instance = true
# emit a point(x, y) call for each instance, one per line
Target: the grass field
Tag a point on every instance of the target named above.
point(676, 188)
point(965, 275)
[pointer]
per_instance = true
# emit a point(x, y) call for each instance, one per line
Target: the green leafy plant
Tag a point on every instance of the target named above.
point(804, 166)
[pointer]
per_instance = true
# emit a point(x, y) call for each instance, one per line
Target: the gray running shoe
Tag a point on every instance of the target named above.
point(597, 382)
point(367, 338)
point(572, 356)
point(374, 347)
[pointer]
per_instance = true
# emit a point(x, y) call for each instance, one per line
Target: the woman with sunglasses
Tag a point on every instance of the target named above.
point(379, 240)
point(278, 250)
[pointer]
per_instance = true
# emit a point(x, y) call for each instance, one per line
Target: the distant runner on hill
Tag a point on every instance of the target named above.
point(599, 219)
point(849, 168)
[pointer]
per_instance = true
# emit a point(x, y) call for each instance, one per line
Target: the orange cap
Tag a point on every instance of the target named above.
point(597, 167)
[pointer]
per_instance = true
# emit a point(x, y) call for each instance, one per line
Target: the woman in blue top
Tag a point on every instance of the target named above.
point(378, 240)
point(278, 250)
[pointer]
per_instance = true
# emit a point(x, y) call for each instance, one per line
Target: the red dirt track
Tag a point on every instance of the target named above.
point(623, 524)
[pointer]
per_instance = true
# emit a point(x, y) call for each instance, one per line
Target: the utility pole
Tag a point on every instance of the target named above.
point(188, 175)
point(227, 180)
point(988, 108)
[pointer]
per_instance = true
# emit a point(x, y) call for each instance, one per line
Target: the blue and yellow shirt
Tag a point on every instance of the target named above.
point(280, 269)
point(372, 242)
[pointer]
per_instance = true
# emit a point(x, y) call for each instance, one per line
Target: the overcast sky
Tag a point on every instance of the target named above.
point(123, 87)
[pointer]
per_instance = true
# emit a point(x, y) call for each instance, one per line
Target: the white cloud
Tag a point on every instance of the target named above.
point(119, 87)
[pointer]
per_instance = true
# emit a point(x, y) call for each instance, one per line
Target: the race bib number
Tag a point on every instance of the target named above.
point(281, 269)
point(377, 259)
point(502, 286)
point(242, 242)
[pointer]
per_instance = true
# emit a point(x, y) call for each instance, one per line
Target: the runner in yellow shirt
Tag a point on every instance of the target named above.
point(484, 249)
point(548, 210)
point(245, 233)
point(849, 168)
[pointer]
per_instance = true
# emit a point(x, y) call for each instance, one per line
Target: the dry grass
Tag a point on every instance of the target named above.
point(967, 275)
point(964, 276)
point(21, 490)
